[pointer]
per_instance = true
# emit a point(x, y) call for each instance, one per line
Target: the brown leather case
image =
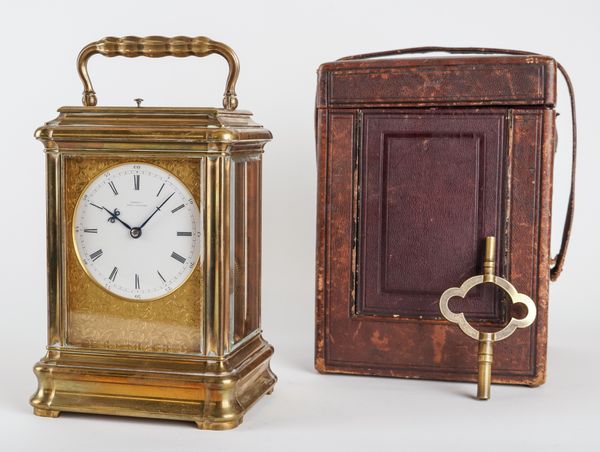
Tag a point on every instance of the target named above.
point(419, 159)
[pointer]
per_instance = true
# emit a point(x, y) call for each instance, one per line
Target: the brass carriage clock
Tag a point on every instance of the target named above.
point(154, 237)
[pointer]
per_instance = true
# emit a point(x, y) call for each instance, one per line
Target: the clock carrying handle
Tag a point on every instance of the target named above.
point(559, 261)
point(155, 47)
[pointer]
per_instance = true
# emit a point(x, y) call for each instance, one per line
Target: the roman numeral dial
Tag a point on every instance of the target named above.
point(177, 257)
point(96, 255)
point(113, 187)
point(137, 231)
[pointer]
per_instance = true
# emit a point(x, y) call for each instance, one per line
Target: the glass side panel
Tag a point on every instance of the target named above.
point(246, 231)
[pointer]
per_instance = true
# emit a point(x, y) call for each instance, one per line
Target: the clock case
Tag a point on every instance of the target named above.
point(214, 382)
point(421, 158)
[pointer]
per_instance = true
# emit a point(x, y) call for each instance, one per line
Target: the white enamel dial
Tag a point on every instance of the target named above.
point(137, 231)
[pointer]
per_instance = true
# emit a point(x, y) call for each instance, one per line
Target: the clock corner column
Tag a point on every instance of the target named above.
point(217, 251)
point(54, 245)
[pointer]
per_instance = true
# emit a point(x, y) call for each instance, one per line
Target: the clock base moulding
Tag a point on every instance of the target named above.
point(213, 393)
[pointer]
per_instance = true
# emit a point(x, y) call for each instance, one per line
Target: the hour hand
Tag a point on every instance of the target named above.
point(113, 215)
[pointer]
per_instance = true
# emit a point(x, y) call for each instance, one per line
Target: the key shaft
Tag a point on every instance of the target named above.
point(485, 358)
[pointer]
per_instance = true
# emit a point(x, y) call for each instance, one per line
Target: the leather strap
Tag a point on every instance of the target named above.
point(559, 261)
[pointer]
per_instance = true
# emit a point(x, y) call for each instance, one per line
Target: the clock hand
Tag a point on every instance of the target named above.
point(157, 209)
point(113, 216)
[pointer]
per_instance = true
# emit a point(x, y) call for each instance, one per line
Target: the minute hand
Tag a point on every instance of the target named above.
point(157, 209)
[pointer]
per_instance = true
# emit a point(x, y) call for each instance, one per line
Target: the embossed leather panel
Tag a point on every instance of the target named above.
point(432, 187)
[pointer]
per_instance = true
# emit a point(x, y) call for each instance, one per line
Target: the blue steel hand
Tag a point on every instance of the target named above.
point(113, 215)
point(157, 209)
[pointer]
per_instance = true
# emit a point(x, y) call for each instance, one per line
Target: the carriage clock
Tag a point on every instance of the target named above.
point(154, 250)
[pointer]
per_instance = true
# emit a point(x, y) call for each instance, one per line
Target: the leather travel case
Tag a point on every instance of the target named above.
point(419, 159)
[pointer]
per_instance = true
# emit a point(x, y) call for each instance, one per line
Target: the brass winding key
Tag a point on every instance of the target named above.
point(486, 340)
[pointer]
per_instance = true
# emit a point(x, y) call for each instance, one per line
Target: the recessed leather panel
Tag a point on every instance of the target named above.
point(431, 188)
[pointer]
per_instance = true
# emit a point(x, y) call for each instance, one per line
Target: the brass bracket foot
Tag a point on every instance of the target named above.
point(219, 425)
point(44, 412)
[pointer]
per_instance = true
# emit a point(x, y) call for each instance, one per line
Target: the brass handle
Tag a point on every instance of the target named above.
point(155, 47)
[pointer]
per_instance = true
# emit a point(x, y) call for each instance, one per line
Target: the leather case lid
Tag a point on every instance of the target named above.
point(440, 81)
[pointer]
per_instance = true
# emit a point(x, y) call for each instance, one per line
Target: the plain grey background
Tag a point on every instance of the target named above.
point(280, 45)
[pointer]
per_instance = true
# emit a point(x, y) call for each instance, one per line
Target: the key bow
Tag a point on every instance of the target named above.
point(486, 339)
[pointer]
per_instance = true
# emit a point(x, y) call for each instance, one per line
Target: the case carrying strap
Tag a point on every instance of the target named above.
point(559, 261)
